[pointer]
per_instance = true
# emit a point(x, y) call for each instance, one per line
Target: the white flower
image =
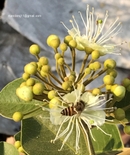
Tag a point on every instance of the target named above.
point(94, 38)
point(90, 112)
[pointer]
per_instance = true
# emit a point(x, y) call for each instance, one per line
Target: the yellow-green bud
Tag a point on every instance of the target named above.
point(30, 82)
point(46, 68)
point(91, 66)
point(25, 93)
point(63, 47)
point(72, 44)
point(57, 56)
point(54, 102)
point(43, 61)
point(96, 65)
point(108, 80)
point(72, 78)
point(30, 69)
point(99, 21)
point(60, 61)
point(95, 55)
point(52, 37)
point(126, 82)
point(110, 64)
point(25, 76)
point(96, 91)
point(119, 114)
point(67, 39)
point(88, 50)
point(113, 87)
point(20, 149)
point(43, 74)
point(87, 71)
point(119, 91)
point(127, 129)
point(108, 87)
point(38, 88)
point(34, 49)
point(80, 47)
point(17, 116)
point(52, 94)
point(54, 43)
point(66, 85)
point(23, 84)
point(112, 72)
point(17, 144)
point(81, 87)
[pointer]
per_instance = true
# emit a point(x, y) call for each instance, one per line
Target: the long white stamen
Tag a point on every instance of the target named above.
point(64, 26)
point(77, 27)
point(103, 131)
point(87, 21)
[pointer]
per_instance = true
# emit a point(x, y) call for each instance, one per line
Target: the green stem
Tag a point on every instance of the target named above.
point(84, 63)
point(63, 71)
point(54, 77)
point(73, 58)
point(58, 72)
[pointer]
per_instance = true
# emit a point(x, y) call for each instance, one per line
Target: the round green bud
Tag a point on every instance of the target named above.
point(17, 116)
point(30, 82)
point(17, 144)
point(99, 21)
point(25, 93)
point(30, 69)
point(108, 80)
point(95, 55)
point(96, 91)
point(38, 88)
point(91, 66)
point(20, 149)
point(54, 43)
point(88, 50)
point(25, 76)
point(81, 87)
point(60, 61)
point(54, 102)
point(67, 39)
point(126, 82)
point(39, 66)
point(50, 38)
point(23, 84)
point(52, 94)
point(57, 56)
point(96, 65)
point(66, 85)
point(63, 47)
point(46, 68)
point(110, 64)
point(127, 129)
point(108, 87)
point(72, 44)
point(87, 71)
point(34, 63)
point(34, 49)
point(119, 91)
point(43, 61)
point(80, 47)
point(72, 78)
point(43, 74)
point(112, 72)
point(119, 114)
point(113, 87)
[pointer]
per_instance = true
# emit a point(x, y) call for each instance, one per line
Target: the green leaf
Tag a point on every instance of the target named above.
point(125, 104)
point(39, 132)
point(7, 149)
point(10, 103)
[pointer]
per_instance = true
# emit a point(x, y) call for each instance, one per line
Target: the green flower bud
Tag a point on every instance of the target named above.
point(113, 87)
point(96, 65)
point(63, 47)
point(110, 64)
point(80, 47)
point(43, 61)
point(112, 72)
point(20, 149)
point(108, 87)
point(72, 44)
point(126, 82)
point(38, 88)
point(17, 144)
point(96, 91)
point(24, 93)
point(54, 43)
point(57, 56)
point(43, 74)
point(99, 21)
point(91, 66)
point(54, 102)
point(108, 80)
point(25, 76)
point(67, 39)
point(52, 94)
point(95, 55)
point(88, 50)
point(46, 68)
point(119, 91)
point(127, 129)
point(72, 78)
point(87, 71)
point(34, 49)
point(52, 37)
point(17, 116)
point(119, 114)
point(60, 61)
point(66, 85)
point(81, 87)
point(23, 84)
point(30, 69)
point(30, 82)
